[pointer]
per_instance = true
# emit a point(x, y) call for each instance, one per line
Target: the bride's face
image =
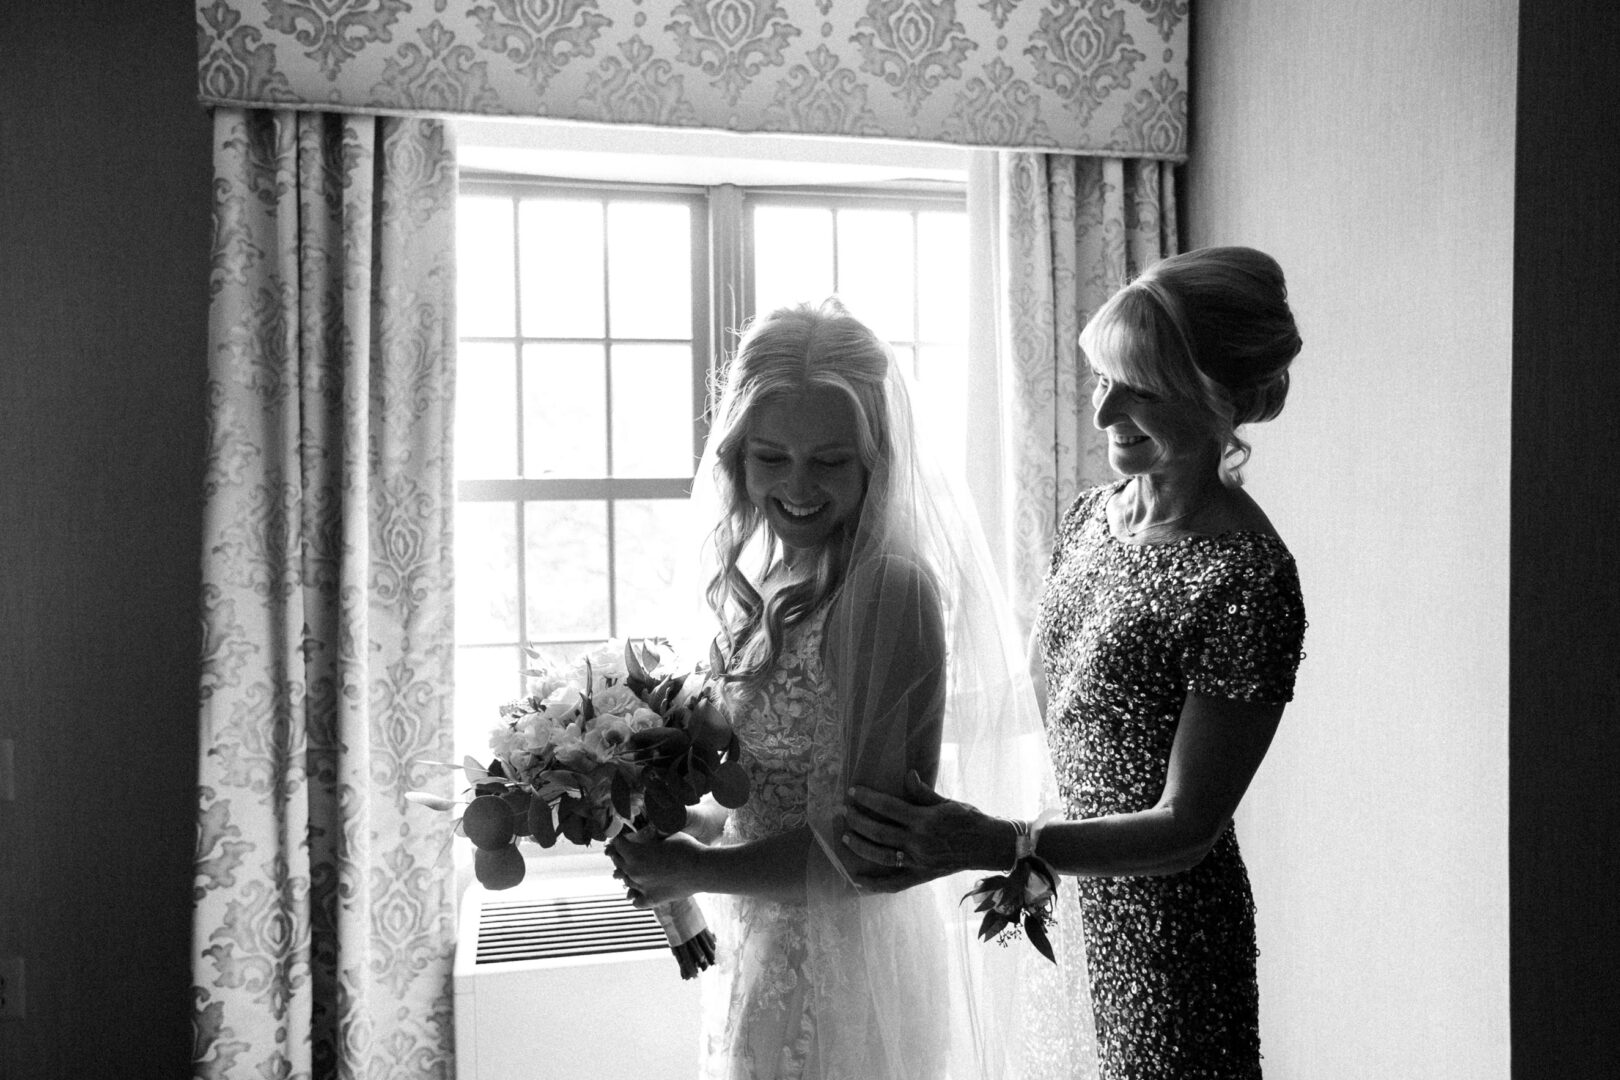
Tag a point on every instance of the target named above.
point(802, 466)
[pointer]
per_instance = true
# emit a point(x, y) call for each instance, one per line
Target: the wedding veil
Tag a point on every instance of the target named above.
point(919, 644)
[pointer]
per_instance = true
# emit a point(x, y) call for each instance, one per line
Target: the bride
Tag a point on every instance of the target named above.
point(861, 639)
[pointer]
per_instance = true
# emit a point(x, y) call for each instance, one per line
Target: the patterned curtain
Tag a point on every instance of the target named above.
point(323, 933)
point(1073, 230)
point(1088, 76)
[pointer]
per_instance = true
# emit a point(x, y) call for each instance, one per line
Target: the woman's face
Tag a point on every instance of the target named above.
point(802, 466)
point(1149, 434)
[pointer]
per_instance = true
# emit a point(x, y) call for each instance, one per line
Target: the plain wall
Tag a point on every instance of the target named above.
point(105, 235)
point(1369, 146)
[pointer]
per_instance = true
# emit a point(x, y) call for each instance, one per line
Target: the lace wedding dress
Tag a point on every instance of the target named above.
point(761, 1015)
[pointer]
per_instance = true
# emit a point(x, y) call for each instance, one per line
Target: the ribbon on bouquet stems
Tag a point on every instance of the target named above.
point(688, 934)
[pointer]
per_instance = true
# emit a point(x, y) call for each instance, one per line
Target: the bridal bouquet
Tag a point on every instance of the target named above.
point(621, 740)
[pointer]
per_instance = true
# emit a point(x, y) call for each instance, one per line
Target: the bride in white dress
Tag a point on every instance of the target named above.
point(862, 638)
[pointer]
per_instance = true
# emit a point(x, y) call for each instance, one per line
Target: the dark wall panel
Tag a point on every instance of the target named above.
point(1565, 731)
point(104, 245)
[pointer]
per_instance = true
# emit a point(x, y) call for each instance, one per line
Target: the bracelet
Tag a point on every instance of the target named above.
point(1029, 835)
point(1021, 841)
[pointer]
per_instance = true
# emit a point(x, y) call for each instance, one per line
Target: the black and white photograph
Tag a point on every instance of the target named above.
point(809, 540)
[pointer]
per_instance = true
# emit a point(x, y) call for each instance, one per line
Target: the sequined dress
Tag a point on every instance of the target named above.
point(1126, 631)
point(757, 1020)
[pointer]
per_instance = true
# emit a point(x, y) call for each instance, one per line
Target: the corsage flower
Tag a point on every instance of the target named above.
point(1021, 899)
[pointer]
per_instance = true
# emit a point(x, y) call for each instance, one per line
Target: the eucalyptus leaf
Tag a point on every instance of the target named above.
point(730, 785)
point(543, 822)
point(488, 822)
point(498, 868)
point(1036, 929)
point(623, 796)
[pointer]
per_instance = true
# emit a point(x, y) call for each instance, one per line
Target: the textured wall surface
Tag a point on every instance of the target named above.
point(1369, 147)
point(104, 240)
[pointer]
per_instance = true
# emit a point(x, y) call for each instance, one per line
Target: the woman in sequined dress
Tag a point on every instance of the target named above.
point(838, 578)
point(1170, 631)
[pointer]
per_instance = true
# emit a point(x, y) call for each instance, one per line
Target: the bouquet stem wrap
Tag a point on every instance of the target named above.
point(682, 921)
point(688, 935)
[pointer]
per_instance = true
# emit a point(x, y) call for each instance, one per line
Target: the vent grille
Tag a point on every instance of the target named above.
point(513, 930)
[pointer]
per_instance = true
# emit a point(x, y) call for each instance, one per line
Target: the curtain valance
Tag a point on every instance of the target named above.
point(1084, 76)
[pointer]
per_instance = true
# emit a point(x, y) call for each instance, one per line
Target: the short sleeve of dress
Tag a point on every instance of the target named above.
point(1247, 629)
point(1079, 510)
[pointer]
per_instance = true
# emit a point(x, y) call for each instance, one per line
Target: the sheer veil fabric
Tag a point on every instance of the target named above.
point(919, 646)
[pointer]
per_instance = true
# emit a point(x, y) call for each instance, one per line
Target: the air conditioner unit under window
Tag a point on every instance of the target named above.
point(561, 977)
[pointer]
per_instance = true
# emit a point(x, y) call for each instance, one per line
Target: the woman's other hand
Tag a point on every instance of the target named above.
point(934, 836)
point(656, 871)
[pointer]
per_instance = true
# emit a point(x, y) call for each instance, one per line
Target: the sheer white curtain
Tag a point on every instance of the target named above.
point(1054, 235)
point(323, 932)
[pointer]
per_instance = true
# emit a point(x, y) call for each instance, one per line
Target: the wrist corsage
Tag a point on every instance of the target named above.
point(1021, 899)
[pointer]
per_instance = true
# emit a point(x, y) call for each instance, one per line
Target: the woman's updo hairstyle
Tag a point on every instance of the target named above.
point(1211, 325)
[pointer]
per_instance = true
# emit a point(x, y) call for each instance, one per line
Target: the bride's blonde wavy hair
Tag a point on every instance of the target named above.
point(786, 353)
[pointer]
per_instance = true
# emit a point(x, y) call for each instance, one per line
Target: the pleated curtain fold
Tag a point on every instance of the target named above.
point(1069, 231)
point(323, 933)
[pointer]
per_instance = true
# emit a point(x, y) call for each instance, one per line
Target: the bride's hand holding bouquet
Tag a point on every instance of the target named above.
point(623, 742)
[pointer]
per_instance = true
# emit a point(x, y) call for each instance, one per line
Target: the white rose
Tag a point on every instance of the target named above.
point(606, 665)
point(563, 706)
point(569, 747)
point(618, 700)
point(607, 739)
point(644, 718)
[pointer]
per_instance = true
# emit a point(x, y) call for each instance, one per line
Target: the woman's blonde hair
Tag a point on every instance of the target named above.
point(787, 352)
point(1211, 326)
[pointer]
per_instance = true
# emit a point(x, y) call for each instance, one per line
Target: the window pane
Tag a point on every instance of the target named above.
point(486, 679)
point(942, 276)
point(564, 411)
point(793, 256)
point(486, 572)
point(648, 534)
point(942, 401)
point(486, 410)
point(876, 270)
point(906, 357)
point(484, 293)
point(562, 267)
point(559, 656)
point(652, 410)
point(650, 270)
point(565, 558)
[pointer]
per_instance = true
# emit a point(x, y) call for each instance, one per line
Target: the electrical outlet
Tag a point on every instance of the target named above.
point(11, 988)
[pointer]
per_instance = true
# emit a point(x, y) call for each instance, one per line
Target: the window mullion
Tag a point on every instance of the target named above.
point(522, 583)
point(607, 414)
point(733, 302)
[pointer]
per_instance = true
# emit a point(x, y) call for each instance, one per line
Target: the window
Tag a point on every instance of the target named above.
point(587, 334)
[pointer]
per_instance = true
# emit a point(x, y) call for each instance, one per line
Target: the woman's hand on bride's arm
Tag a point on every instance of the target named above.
point(933, 835)
point(657, 871)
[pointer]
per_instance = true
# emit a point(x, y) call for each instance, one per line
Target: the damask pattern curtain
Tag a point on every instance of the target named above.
point(323, 932)
point(1087, 76)
point(1072, 231)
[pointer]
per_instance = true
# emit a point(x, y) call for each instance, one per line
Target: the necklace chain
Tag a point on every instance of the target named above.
point(1137, 501)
